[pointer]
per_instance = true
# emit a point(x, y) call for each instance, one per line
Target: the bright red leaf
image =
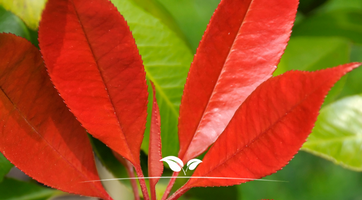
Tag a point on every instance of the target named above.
point(239, 50)
point(39, 135)
point(155, 166)
point(268, 129)
point(94, 63)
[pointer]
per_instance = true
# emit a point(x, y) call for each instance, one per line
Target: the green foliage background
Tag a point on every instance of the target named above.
point(326, 33)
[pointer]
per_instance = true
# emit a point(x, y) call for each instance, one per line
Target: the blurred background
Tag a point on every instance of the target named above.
point(326, 33)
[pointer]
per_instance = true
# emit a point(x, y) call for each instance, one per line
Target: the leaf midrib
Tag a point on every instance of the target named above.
point(101, 75)
point(263, 133)
point(46, 141)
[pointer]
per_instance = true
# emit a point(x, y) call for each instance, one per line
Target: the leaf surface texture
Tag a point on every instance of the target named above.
point(39, 135)
point(233, 58)
point(268, 129)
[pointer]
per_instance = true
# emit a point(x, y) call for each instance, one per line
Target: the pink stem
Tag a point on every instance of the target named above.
point(153, 193)
point(170, 185)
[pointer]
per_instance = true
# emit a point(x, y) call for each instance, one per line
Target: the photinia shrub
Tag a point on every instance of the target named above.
point(252, 123)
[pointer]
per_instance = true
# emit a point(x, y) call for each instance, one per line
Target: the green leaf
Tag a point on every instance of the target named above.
point(192, 16)
point(353, 84)
point(28, 10)
point(306, 177)
point(332, 5)
point(5, 166)
point(167, 59)
point(342, 23)
point(156, 9)
point(314, 53)
point(356, 53)
point(11, 189)
point(337, 135)
point(10, 23)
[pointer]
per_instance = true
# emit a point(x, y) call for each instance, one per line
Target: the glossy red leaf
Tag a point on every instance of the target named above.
point(39, 135)
point(233, 58)
point(155, 166)
point(94, 63)
point(268, 129)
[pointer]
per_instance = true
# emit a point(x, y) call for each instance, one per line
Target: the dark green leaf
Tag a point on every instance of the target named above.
point(10, 23)
point(353, 84)
point(314, 53)
point(332, 5)
point(11, 189)
point(215, 193)
point(342, 23)
point(5, 166)
point(306, 177)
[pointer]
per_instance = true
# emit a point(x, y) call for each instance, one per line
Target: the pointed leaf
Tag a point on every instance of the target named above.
point(167, 60)
point(239, 51)
point(39, 135)
point(192, 164)
point(155, 166)
point(94, 63)
point(174, 163)
point(337, 135)
point(268, 129)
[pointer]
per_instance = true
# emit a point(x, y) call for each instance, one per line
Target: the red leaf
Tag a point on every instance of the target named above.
point(233, 58)
point(39, 135)
point(155, 166)
point(268, 129)
point(94, 63)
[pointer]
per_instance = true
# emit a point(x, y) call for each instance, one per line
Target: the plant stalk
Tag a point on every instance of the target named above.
point(142, 183)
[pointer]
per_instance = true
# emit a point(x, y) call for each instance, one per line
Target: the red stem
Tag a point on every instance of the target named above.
point(170, 185)
point(153, 193)
point(142, 183)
